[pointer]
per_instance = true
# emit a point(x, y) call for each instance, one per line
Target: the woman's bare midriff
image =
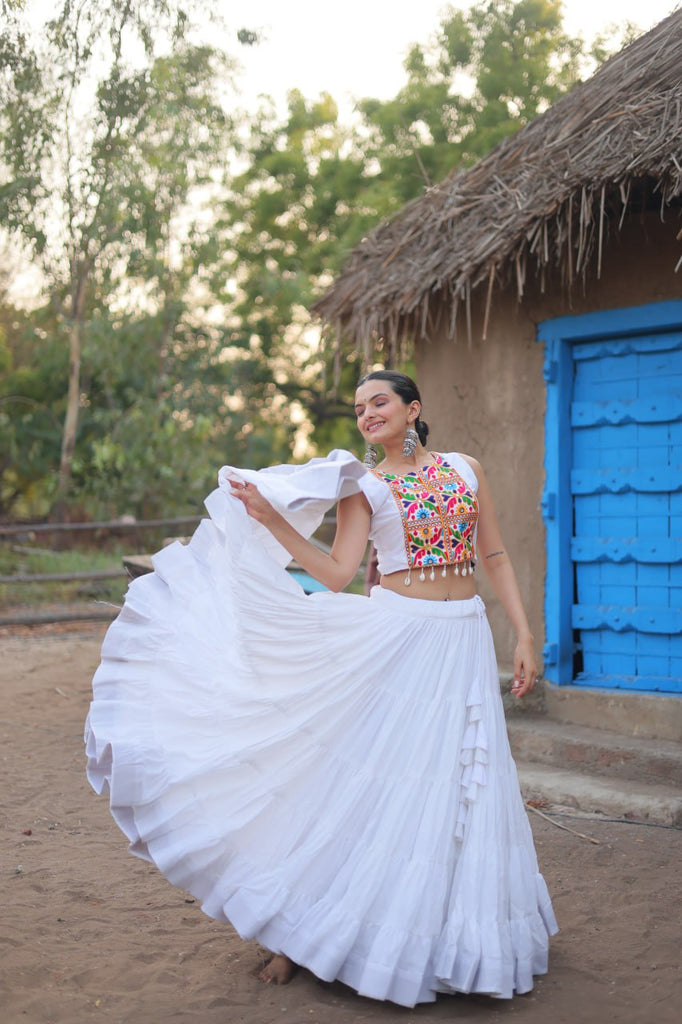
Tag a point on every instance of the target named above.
point(442, 588)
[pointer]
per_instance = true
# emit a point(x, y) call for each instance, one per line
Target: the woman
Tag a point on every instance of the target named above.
point(331, 773)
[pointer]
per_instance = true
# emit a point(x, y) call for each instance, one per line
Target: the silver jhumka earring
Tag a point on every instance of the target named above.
point(371, 457)
point(410, 443)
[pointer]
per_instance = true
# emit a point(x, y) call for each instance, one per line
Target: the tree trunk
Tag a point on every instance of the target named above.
point(72, 407)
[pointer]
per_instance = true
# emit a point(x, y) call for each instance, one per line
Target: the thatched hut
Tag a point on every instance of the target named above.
point(540, 289)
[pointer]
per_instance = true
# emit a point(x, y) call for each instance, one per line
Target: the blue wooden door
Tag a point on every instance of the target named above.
point(626, 422)
point(613, 499)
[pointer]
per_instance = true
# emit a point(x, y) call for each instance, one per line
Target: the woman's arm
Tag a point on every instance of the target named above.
point(500, 572)
point(336, 569)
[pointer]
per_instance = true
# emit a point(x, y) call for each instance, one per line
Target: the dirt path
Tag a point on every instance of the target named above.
point(88, 933)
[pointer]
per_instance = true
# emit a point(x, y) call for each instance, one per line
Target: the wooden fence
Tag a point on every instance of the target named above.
point(74, 613)
point(132, 566)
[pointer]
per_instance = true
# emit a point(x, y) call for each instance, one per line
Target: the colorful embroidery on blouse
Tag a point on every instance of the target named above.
point(438, 512)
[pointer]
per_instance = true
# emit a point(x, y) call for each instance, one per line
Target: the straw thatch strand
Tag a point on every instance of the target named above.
point(549, 196)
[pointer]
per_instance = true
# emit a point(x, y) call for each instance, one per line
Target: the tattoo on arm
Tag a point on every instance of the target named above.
point(495, 554)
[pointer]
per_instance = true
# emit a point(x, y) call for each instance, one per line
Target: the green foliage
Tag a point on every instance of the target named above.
point(154, 427)
point(152, 441)
point(33, 367)
point(312, 187)
point(182, 284)
point(488, 71)
point(102, 154)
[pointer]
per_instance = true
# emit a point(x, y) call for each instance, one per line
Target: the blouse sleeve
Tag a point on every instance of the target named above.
point(304, 494)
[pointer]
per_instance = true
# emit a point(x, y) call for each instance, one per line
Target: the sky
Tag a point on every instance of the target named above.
point(355, 48)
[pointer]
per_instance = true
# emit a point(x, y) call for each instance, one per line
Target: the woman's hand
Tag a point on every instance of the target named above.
point(525, 667)
point(334, 569)
point(258, 507)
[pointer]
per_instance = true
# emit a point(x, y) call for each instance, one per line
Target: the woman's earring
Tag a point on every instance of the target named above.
point(371, 458)
point(410, 442)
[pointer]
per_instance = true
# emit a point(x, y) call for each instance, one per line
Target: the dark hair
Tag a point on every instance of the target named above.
point(406, 389)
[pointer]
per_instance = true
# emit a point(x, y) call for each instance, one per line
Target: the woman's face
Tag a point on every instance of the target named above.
point(381, 414)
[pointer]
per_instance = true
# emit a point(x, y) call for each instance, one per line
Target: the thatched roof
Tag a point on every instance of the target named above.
point(544, 197)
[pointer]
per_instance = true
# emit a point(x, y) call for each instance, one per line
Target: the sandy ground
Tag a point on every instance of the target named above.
point(89, 933)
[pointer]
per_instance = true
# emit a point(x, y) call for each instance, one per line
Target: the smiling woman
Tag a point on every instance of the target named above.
point(331, 773)
point(381, 398)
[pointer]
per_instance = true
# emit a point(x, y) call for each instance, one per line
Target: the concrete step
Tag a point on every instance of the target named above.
point(632, 714)
point(613, 797)
point(543, 740)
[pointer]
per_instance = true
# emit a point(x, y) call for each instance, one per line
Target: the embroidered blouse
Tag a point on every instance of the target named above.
point(437, 516)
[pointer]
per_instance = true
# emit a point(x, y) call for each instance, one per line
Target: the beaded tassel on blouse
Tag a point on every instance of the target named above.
point(467, 569)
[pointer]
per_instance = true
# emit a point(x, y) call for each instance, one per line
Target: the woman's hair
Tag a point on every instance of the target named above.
point(406, 389)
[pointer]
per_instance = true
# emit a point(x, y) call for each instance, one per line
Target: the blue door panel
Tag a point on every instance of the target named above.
point(584, 448)
point(653, 365)
point(653, 445)
point(623, 575)
point(655, 576)
point(615, 439)
point(616, 368)
point(652, 595)
point(623, 534)
point(654, 505)
point(652, 645)
point(653, 666)
point(608, 409)
point(617, 594)
point(676, 511)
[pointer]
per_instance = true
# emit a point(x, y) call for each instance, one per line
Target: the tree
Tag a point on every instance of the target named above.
point(74, 110)
point(32, 369)
point(312, 188)
point(488, 71)
point(152, 447)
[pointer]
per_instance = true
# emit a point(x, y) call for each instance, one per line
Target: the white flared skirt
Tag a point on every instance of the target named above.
point(329, 773)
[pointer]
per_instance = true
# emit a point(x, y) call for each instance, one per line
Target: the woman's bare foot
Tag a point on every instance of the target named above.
point(279, 970)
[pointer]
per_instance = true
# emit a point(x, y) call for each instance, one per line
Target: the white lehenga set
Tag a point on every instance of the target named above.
point(330, 773)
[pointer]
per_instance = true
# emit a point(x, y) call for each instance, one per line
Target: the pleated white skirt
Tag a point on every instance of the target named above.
point(329, 773)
